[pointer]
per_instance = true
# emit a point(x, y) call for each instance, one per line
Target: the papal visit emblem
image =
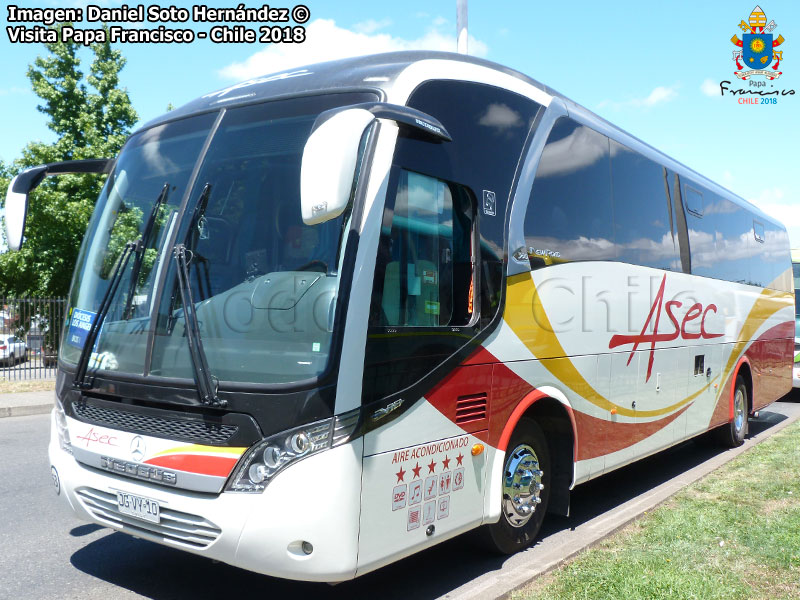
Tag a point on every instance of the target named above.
point(757, 47)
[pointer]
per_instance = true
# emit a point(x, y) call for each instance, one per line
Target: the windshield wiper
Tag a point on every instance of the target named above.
point(138, 247)
point(141, 247)
point(91, 337)
point(191, 242)
point(207, 384)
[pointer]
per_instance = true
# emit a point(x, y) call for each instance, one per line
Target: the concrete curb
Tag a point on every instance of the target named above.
point(25, 411)
point(19, 404)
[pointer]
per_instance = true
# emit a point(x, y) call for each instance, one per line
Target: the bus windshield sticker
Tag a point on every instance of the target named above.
point(79, 325)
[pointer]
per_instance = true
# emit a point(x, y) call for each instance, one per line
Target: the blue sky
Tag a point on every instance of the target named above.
point(651, 68)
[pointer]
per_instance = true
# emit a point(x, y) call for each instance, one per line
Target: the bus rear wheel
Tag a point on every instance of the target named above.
point(732, 434)
point(526, 490)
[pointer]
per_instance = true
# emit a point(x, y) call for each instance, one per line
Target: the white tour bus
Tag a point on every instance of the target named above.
point(326, 318)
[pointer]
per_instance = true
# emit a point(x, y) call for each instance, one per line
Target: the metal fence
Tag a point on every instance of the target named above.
point(29, 335)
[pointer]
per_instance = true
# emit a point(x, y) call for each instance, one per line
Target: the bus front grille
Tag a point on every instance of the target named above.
point(196, 430)
point(178, 527)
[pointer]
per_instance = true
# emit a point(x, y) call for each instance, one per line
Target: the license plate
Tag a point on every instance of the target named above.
point(138, 507)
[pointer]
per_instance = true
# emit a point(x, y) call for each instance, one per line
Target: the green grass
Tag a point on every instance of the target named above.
point(733, 535)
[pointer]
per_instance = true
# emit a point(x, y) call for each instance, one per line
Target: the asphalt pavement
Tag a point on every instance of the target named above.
point(46, 553)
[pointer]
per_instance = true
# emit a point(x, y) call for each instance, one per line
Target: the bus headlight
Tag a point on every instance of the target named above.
point(61, 427)
point(273, 454)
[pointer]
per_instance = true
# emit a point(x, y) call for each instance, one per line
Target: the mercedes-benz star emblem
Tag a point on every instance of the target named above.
point(138, 448)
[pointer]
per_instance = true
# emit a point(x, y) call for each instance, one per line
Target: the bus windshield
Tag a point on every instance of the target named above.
point(264, 284)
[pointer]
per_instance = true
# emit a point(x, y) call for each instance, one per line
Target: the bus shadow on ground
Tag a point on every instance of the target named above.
point(161, 573)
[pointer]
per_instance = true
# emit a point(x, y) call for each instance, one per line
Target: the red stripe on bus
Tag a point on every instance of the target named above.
point(600, 437)
point(219, 466)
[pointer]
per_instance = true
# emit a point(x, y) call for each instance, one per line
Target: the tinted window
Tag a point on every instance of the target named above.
point(425, 257)
point(719, 240)
point(489, 127)
point(771, 258)
point(643, 224)
point(569, 214)
point(727, 243)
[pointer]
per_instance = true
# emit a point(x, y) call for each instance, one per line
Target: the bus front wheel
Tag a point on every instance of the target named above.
point(526, 490)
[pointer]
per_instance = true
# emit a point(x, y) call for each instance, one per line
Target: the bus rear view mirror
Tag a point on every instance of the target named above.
point(330, 158)
point(16, 207)
point(331, 154)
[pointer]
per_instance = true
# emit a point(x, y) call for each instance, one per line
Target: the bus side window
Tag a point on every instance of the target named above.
point(425, 258)
point(642, 228)
point(569, 216)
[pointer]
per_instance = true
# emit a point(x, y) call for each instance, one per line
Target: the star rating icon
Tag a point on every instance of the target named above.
point(431, 467)
point(400, 474)
point(446, 462)
point(459, 459)
point(416, 470)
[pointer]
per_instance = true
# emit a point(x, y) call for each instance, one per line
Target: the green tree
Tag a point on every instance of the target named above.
point(91, 116)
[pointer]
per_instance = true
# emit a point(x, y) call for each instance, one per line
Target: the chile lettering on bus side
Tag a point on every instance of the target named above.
point(695, 311)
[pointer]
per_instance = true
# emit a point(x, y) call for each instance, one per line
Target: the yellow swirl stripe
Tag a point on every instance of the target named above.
point(527, 318)
point(199, 449)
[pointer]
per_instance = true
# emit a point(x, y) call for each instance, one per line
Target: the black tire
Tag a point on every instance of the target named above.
point(733, 434)
point(504, 536)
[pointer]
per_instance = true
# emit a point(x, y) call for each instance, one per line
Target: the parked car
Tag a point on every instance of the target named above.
point(12, 349)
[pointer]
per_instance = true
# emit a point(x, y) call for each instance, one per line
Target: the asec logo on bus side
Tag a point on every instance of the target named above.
point(694, 312)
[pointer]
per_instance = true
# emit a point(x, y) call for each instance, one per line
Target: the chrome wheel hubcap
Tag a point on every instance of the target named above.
point(522, 485)
point(738, 410)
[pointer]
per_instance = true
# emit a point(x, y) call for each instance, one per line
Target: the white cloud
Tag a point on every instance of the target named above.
point(371, 25)
point(327, 41)
point(710, 88)
point(439, 21)
point(659, 95)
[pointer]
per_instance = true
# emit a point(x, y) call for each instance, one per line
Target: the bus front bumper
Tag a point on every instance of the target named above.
point(316, 501)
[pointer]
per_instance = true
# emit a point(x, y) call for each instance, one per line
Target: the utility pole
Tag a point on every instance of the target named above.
point(461, 26)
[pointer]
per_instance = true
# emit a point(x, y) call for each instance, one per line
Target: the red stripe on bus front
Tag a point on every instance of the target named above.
point(219, 466)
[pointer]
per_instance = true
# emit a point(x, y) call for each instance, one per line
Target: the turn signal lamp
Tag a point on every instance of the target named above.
point(477, 449)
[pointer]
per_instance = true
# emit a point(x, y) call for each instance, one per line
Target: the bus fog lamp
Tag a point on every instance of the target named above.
point(272, 457)
point(299, 443)
point(257, 473)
